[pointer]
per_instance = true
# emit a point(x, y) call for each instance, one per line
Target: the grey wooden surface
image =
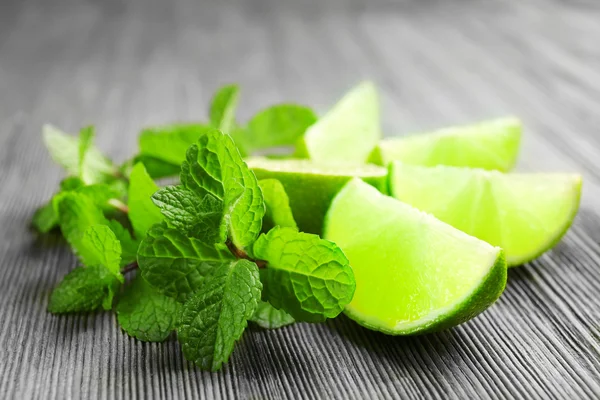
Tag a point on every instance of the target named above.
point(122, 65)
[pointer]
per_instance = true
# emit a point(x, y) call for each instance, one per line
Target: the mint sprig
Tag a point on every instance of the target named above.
point(213, 252)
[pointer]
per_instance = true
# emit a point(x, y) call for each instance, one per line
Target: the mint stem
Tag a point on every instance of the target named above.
point(242, 254)
point(119, 205)
point(130, 267)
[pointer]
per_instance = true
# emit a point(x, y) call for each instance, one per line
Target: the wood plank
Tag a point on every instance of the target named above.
point(125, 65)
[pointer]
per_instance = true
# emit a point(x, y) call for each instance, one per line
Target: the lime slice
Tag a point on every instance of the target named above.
point(525, 214)
point(348, 133)
point(488, 145)
point(414, 273)
point(311, 187)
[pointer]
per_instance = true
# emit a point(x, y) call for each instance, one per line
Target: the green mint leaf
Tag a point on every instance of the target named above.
point(223, 107)
point(45, 218)
point(71, 183)
point(268, 317)
point(169, 143)
point(278, 210)
point(279, 125)
point(176, 264)
point(214, 166)
point(142, 212)
point(241, 139)
point(65, 150)
point(99, 246)
point(77, 213)
point(86, 141)
point(186, 212)
point(156, 167)
point(215, 318)
point(129, 245)
point(306, 276)
point(101, 194)
point(84, 289)
point(146, 314)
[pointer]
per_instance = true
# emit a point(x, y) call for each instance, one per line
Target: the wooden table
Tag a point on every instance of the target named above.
point(125, 64)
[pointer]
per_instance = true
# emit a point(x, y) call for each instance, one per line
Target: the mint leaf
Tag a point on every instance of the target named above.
point(86, 141)
point(45, 218)
point(63, 148)
point(169, 143)
point(268, 317)
point(215, 318)
point(101, 194)
point(77, 213)
point(278, 210)
point(93, 167)
point(71, 183)
point(279, 125)
point(142, 212)
point(158, 168)
point(308, 277)
point(176, 264)
point(84, 289)
point(214, 166)
point(186, 212)
point(99, 246)
point(146, 314)
point(223, 107)
point(129, 245)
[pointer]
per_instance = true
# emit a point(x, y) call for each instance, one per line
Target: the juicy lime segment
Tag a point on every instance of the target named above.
point(311, 187)
point(414, 273)
point(488, 145)
point(525, 214)
point(348, 133)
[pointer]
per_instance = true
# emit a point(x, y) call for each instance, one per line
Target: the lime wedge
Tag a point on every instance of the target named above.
point(311, 187)
point(348, 133)
point(414, 273)
point(525, 214)
point(488, 145)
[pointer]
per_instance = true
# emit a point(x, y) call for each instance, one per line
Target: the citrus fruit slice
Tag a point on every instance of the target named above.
point(414, 273)
point(489, 145)
point(311, 187)
point(525, 214)
point(348, 133)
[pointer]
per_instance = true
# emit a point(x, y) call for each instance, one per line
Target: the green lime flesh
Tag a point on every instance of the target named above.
point(525, 214)
point(348, 133)
point(311, 187)
point(491, 145)
point(414, 273)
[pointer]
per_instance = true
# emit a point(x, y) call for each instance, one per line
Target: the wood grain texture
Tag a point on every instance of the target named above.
point(125, 64)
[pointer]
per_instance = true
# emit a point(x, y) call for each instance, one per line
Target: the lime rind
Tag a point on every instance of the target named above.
point(314, 168)
point(472, 304)
point(311, 187)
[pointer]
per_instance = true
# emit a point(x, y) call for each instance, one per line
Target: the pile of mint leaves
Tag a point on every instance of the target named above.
point(200, 258)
